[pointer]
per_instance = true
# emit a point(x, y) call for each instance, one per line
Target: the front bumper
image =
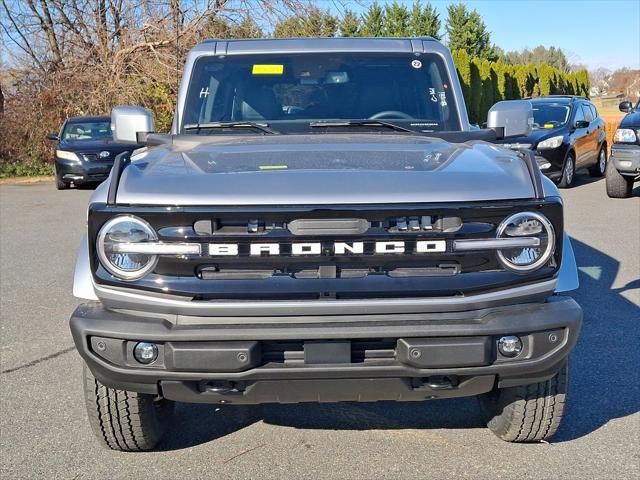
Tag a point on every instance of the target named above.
point(626, 159)
point(83, 172)
point(328, 358)
point(552, 160)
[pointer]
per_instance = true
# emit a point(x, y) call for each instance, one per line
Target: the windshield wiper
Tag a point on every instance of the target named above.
point(263, 127)
point(362, 123)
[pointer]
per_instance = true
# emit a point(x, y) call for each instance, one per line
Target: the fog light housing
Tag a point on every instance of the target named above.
point(145, 352)
point(510, 346)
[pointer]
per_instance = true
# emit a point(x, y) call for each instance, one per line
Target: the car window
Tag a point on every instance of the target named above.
point(588, 114)
point(549, 115)
point(593, 110)
point(578, 115)
point(86, 130)
point(290, 88)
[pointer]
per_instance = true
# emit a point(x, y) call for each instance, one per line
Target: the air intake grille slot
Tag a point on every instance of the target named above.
point(362, 351)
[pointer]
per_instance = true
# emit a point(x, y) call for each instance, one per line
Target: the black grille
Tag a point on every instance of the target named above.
point(328, 275)
point(89, 157)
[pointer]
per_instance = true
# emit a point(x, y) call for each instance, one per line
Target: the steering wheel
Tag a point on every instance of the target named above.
point(390, 114)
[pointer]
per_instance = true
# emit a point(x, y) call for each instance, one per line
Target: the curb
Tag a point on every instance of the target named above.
point(26, 180)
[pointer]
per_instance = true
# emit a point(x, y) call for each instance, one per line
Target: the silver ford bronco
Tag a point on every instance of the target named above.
point(322, 224)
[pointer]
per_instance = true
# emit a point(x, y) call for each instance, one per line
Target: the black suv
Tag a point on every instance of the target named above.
point(568, 134)
point(85, 151)
point(625, 153)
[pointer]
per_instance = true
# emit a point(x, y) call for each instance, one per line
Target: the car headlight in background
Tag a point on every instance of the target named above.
point(531, 225)
point(553, 142)
point(625, 135)
point(67, 155)
point(128, 247)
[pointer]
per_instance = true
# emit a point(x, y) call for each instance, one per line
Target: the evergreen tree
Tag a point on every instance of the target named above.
point(424, 22)
point(487, 95)
point(545, 73)
point(499, 71)
point(373, 22)
point(466, 30)
point(246, 28)
point(316, 24)
point(473, 107)
point(349, 25)
point(396, 22)
point(463, 67)
point(329, 25)
point(289, 27)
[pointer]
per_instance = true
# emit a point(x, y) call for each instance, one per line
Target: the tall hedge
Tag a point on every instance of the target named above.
point(485, 83)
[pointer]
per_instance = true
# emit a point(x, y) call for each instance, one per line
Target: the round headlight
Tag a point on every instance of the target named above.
point(120, 230)
point(526, 224)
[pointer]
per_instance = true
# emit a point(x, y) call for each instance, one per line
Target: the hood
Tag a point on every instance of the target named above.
point(321, 169)
point(631, 120)
point(95, 145)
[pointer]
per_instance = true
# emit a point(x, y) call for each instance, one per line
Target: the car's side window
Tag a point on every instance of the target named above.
point(578, 115)
point(588, 114)
point(593, 110)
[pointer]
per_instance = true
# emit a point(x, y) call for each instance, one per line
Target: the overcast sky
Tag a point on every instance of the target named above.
point(598, 33)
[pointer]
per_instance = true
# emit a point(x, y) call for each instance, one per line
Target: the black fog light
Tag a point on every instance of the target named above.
point(510, 345)
point(145, 352)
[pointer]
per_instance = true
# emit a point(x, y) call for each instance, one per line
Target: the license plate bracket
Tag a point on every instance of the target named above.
point(324, 352)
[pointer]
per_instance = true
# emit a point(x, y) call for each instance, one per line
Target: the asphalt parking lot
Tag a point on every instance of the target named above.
point(44, 433)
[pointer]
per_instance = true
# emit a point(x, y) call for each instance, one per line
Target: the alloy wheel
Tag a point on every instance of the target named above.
point(602, 161)
point(568, 171)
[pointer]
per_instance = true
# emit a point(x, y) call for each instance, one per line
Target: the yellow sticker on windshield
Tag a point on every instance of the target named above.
point(272, 167)
point(549, 125)
point(267, 69)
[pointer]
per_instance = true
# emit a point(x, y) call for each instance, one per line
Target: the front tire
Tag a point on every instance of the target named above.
point(618, 186)
point(60, 184)
point(599, 169)
point(527, 413)
point(123, 420)
point(568, 172)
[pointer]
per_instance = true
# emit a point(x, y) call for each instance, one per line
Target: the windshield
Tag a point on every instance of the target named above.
point(286, 90)
point(550, 115)
point(86, 130)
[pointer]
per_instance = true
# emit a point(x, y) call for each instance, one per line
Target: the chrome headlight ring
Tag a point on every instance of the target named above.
point(108, 264)
point(542, 255)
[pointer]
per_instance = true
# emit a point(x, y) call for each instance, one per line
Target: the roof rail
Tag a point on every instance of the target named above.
point(557, 96)
point(213, 40)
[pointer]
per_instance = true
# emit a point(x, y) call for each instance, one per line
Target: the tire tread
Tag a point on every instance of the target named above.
point(527, 413)
point(124, 420)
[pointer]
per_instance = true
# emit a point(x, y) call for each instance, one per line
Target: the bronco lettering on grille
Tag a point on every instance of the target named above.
point(336, 248)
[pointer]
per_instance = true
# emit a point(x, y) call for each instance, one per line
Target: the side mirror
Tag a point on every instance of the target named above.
point(53, 136)
point(130, 124)
point(625, 106)
point(511, 118)
point(581, 124)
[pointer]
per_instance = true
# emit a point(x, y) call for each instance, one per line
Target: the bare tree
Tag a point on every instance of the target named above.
point(74, 57)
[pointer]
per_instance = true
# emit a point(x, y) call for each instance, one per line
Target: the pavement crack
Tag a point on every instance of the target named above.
point(243, 452)
point(37, 361)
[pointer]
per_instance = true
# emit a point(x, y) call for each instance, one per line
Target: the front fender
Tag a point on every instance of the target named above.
point(82, 280)
point(568, 276)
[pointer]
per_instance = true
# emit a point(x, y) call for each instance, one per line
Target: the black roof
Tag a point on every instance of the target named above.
point(89, 118)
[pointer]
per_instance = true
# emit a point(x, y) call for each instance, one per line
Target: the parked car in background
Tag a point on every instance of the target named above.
point(567, 134)
point(85, 151)
point(624, 168)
